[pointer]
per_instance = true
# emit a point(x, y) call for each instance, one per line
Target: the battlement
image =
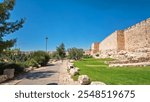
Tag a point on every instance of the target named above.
point(142, 23)
point(131, 39)
point(138, 36)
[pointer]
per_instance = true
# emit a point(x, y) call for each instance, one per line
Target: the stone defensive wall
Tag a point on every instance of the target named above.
point(114, 42)
point(95, 48)
point(137, 37)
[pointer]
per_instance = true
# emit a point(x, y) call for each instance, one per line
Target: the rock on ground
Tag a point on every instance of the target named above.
point(84, 80)
point(9, 73)
point(97, 83)
point(74, 72)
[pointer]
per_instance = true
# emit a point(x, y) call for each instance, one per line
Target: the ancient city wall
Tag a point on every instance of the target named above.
point(113, 42)
point(95, 48)
point(133, 42)
point(137, 37)
point(120, 40)
point(109, 43)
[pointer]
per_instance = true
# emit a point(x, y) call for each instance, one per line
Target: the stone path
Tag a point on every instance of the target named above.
point(54, 74)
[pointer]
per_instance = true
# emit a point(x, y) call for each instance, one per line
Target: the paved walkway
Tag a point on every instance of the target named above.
point(48, 75)
point(54, 74)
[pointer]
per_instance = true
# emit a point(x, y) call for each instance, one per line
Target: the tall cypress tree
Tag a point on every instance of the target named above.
point(7, 26)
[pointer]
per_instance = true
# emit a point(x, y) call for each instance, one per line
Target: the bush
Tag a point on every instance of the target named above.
point(40, 57)
point(23, 64)
point(32, 63)
point(1, 68)
point(55, 55)
point(75, 53)
point(14, 56)
point(87, 56)
point(17, 67)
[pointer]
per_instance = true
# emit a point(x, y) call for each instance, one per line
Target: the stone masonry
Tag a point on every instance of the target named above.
point(133, 39)
point(138, 36)
point(95, 48)
point(113, 42)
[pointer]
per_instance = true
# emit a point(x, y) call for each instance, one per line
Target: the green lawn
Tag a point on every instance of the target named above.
point(97, 70)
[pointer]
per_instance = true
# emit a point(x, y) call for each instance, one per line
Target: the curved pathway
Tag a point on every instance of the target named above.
point(48, 75)
point(54, 74)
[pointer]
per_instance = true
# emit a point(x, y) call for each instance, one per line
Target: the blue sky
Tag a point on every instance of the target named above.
point(76, 23)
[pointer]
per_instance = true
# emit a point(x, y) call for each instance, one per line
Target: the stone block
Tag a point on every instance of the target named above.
point(84, 80)
point(74, 72)
point(97, 83)
point(3, 78)
point(78, 69)
point(70, 66)
point(71, 61)
point(9, 73)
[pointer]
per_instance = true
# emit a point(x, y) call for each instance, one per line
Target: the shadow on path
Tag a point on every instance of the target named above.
point(36, 75)
point(50, 65)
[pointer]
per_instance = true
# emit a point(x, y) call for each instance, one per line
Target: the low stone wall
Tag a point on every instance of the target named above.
point(108, 54)
point(7, 74)
point(142, 64)
point(125, 58)
point(3, 78)
point(65, 77)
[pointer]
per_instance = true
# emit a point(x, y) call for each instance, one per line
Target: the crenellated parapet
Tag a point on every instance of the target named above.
point(138, 36)
point(140, 24)
point(134, 38)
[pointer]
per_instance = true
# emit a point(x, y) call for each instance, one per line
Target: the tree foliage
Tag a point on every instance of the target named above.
point(55, 55)
point(7, 26)
point(14, 55)
point(75, 53)
point(61, 51)
point(41, 57)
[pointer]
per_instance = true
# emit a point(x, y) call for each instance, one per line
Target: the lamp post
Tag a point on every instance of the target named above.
point(46, 43)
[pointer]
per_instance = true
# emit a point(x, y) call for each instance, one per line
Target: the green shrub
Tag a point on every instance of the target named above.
point(14, 56)
point(1, 68)
point(55, 55)
point(75, 53)
point(32, 63)
point(41, 57)
point(17, 67)
point(87, 56)
point(23, 64)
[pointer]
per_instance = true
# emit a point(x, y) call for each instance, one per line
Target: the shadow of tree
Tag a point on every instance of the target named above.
point(49, 65)
point(36, 75)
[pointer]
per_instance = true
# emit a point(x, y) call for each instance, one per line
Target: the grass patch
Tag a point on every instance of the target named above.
point(97, 70)
point(75, 78)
